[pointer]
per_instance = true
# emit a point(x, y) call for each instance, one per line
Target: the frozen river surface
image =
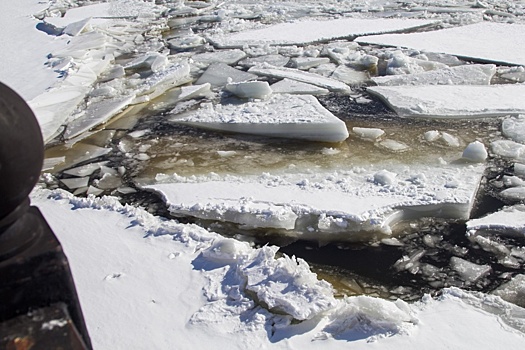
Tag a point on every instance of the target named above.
point(381, 142)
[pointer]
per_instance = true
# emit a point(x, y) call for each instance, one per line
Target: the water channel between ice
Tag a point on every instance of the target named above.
point(146, 143)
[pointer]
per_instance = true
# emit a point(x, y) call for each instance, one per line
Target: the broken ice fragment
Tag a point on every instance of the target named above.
point(290, 116)
point(475, 152)
point(76, 28)
point(151, 60)
point(188, 42)
point(229, 57)
point(305, 77)
point(289, 86)
point(371, 134)
point(74, 183)
point(508, 149)
point(514, 128)
point(469, 271)
point(393, 145)
point(349, 75)
point(385, 178)
point(161, 81)
point(220, 74)
point(305, 63)
point(513, 291)
point(250, 89)
point(85, 170)
point(275, 60)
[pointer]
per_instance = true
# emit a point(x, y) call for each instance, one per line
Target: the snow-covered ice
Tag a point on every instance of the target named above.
point(456, 101)
point(300, 33)
point(291, 116)
point(485, 41)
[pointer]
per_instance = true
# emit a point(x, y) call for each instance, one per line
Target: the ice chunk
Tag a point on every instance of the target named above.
point(385, 178)
point(519, 170)
point(474, 74)
point(250, 89)
point(371, 134)
point(275, 60)
point(79, 45)
point(514, 193)
point(151, 60)
point(508, 149)
point(187, 42)
point(432, 135)
point(349, 75)
point(394, 145)
point(475, 152)
point(53, 107)
point(85, 170)
point(487, 41)
point(220, 74)
point(457, 101)
point(291, 116)
point(229, 57)
point(50, 163)
point(289, 86)
point(97, 113)
point(514, 128)
point(513, 291)
point(469, 271)
point(76, 182)
point(161, 81)
point(300, 33)
point(76, 28)
point(399, 63)
point(305, 77)
point(450, 140)
point(305, 63)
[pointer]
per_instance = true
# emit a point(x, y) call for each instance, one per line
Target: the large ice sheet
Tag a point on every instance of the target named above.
point(458, 101)
point(301, 33)
point(318, 207)
point(485, 41)
point(290, 116)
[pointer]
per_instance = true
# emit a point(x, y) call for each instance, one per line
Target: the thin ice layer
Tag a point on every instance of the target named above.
point(301, 33)
point(290, 116)
point(485, 41)
point(458, 101)
point(327, 206)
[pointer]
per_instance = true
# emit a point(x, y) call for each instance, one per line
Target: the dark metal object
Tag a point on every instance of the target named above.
point(35, 278)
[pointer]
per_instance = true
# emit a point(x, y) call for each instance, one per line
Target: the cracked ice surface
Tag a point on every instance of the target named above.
point(300, 33)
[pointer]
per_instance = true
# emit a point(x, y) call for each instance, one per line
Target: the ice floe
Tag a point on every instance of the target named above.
point(509, 220)
point(474, 74)
point(373, 200)
point(300, 33)
point(485, 41)
point(513, 128)
point(250, 89)
point(289, 86)
point(291, 116)
point(220, 74)
point(457, 101)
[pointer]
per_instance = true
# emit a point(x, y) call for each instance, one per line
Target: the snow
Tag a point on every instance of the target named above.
point(300, 33)
point(292, 116)
point(485, 41)
point(457, 101)
point(197, 287)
